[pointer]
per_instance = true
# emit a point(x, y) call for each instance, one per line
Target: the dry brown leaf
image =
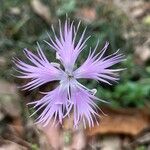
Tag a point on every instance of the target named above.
point(9, 145)
point(122, 121)
point(142, 54)
point(11, 135)
point(53, 135)
point(87, 14)
point(7, 88)
point(9, 99)
point(42, 10)
point(67, 137)
point(3, 61)
point(133, 9)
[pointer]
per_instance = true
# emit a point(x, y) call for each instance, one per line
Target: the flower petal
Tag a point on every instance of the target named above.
point(65, 44)
point(84, 106)
point(40, 71)
point(96, 67)
point(55, 105)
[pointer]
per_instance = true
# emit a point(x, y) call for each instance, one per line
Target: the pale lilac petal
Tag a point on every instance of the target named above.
point(84, 105)
point(98, 67)
point(40, 71)
point(53, 105)
point(65, 45)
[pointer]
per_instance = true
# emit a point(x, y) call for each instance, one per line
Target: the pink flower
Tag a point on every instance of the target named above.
point(69, 94)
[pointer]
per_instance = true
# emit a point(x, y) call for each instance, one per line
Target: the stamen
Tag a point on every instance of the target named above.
point(55, 64)
point(58, 56)
point(94, 91)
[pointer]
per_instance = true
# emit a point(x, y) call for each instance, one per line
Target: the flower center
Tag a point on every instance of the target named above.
point(70, 75)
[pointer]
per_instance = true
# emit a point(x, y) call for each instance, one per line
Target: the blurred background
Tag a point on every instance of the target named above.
point(126, 25)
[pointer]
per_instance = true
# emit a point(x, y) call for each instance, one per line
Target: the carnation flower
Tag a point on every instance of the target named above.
point(70, 95)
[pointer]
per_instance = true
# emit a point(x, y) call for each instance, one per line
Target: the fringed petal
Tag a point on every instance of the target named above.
point(97, 67)
point(53, 106)
point(65, 45)
point(40, 71)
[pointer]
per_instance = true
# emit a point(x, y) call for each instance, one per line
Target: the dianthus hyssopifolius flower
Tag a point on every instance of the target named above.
point(70, 95)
